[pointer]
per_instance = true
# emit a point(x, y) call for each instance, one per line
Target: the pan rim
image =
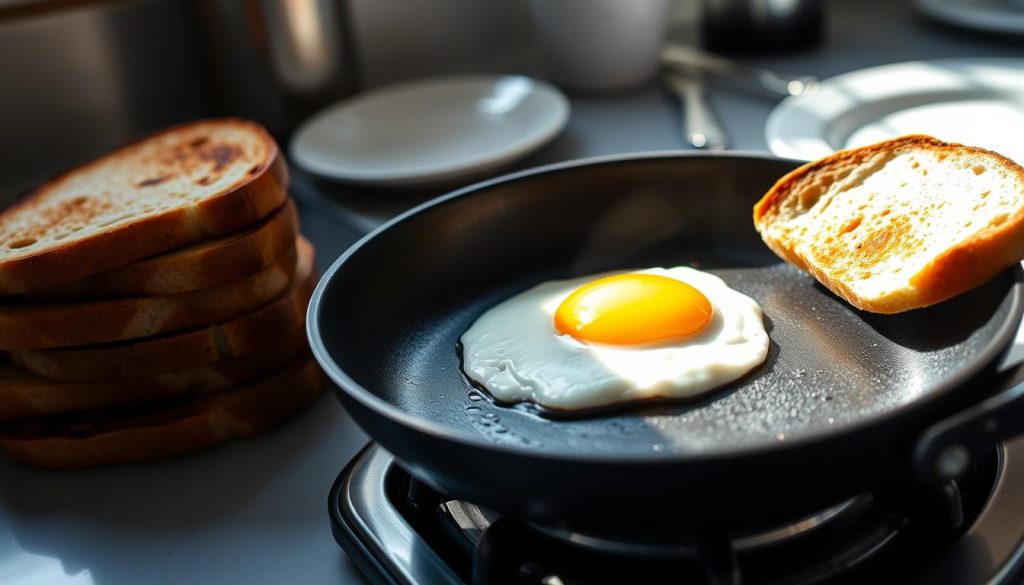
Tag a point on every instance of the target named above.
point(1000, 342)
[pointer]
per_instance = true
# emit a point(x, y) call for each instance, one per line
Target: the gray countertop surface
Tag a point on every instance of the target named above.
point(254, 511)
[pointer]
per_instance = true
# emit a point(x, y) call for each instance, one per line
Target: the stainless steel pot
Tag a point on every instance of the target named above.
point(79, 80)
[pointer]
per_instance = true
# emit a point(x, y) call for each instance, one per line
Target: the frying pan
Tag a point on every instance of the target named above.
point(846, 402)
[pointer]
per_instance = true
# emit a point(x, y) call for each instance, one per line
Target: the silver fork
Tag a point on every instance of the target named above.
point(700, 125)
point(682, 57)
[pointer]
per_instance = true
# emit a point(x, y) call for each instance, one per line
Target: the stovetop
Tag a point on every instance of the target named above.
point(398, 530)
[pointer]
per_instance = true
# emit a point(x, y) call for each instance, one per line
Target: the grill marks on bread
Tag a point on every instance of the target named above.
point(154, 301)
point(54, 221)
point(180, 165)
point(191, 182)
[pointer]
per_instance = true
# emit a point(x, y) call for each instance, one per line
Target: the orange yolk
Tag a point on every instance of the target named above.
point(633, 309)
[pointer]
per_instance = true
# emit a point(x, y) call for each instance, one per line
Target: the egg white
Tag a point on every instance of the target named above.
point(514, 351)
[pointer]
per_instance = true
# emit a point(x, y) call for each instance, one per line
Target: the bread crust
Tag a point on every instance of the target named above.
point(25, 395)
point(181, 429)
point(50, 325)
point(141, 358)
point(242, 204)
point(958, 269)
point(205, 265)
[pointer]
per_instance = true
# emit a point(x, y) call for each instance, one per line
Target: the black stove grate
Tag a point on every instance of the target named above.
point(401, 531)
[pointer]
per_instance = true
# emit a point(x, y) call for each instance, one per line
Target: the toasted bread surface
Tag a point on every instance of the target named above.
point(25, 395)
point(898, 225)
point(170, 431)
point(204, 265)
point(186, 349)
point(49, 325)
point(182, 185)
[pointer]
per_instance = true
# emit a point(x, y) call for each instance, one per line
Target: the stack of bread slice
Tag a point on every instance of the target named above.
point(154, 301)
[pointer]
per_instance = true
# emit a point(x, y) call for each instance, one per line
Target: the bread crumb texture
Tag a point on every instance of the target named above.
point(162, 173)
point(869, 221)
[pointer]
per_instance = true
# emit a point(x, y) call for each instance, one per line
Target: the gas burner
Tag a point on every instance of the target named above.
point(472, 522)
point(398, 530)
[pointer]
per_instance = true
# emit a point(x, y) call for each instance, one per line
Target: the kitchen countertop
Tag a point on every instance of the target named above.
point(254, 511)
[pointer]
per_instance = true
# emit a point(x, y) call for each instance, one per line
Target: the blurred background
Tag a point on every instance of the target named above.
point(81, 76)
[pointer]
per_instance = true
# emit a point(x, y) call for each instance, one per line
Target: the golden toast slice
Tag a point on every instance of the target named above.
point(143, 358)
point(898, 225)
point(204, 265)
point(50, 325)
point(25, 395)
point(182, 185)
point(167, 431)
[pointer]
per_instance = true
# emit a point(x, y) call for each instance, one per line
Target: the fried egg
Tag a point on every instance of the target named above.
point(618, 337)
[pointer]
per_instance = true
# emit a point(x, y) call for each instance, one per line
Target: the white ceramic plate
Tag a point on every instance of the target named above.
point(972, 101)
point(430, 132)
point(1000, 16)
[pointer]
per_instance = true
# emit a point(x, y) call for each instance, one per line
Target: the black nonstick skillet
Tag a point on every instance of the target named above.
point(846, 402)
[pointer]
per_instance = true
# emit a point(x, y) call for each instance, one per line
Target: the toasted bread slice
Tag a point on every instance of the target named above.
point(142, 358)
point(24, 395)
point(898, 225)
point(205, 265)
point(174, 188)
point(49, 325)
point(166, 432)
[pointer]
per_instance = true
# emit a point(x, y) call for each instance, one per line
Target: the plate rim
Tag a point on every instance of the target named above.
point(434, 174)
point(793, 112)
point(988, 18)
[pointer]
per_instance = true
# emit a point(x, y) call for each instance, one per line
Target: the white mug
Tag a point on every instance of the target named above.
point(601, 44)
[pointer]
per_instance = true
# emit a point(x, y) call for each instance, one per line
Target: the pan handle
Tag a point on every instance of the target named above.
point(945, 450)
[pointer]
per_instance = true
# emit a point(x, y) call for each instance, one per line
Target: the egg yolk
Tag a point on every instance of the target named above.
point(633, 309)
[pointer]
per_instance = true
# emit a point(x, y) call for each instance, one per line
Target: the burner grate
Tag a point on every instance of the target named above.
point(401, 531)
